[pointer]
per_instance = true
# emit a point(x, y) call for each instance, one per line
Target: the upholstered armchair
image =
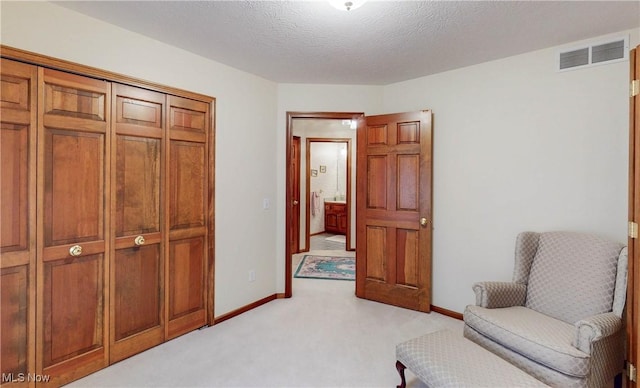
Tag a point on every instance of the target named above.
point(560, 319)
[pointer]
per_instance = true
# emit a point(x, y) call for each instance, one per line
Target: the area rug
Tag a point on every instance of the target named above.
point(327, 267)
point(340, 238)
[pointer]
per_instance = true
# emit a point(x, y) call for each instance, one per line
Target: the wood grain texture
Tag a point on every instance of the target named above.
point(14, 295)
point(137, 295)
point(394, 249)
point(137, 311)
point(633, 281)
point(18, 125)
point(71, 115)
point(188, 197)
point(73, 292)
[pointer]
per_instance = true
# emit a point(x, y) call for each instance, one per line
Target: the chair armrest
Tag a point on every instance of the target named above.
point(592, 329)
point(493, 295)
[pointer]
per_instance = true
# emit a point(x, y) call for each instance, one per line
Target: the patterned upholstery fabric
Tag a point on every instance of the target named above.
point(620, 293)
point(499, 294)
point(444, 359)
point(591, 264)
point(576, 290)
point(526, 249)
point(536, 336)
point(592, 329)
point(539, 371)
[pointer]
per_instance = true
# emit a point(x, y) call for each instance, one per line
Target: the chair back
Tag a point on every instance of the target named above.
point(573, 275)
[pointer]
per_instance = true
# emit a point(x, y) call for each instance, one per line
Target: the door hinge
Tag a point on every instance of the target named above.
point(634, 89)
point(633, 229)
point(631, 372)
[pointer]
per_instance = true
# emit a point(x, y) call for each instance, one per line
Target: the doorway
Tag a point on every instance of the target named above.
point(327, 183)
point(319, 128)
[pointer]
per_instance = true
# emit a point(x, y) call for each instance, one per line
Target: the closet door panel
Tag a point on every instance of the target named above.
point(18, 112)
point(188, 178)
point(15, 307)
point(137, 271)
point(188, 211)
point(73, 241)
point(74, 187)
point(74, 290)
point(14, 172)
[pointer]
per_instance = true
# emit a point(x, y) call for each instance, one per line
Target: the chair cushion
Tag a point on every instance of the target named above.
point(541, 338)
point(573, 275)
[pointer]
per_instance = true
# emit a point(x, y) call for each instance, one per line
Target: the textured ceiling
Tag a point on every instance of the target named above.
point(380, 43)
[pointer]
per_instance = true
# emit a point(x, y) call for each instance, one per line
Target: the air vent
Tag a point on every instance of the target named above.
point(574, 58)
point(594, 54)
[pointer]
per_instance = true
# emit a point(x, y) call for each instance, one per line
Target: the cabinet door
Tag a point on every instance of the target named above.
point(73, 234)
point(137, 268)
point(188, 193)
point(17, 206)
point(17, 232)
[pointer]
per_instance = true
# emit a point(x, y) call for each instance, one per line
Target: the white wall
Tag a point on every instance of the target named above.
point(519, 146)
point(326, 183)
point(245, 129)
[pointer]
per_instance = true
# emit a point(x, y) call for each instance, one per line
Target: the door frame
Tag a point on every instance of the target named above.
point(633, 274)
point(288, 271)
point(336, 140)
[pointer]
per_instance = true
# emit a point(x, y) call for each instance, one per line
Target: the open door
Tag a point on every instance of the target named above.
point(295, 194)
point(633, 287)
point(394, 189)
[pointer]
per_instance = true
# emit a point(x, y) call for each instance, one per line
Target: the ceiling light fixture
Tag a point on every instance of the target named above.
point(346, 5)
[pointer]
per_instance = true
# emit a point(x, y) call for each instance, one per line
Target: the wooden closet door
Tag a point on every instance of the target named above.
point(73, 234)
point(137, 266)
point(17, 232)
point(188, 192)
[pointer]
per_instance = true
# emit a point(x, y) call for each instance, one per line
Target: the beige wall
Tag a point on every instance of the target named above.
point(517, 146)
point(245, 130)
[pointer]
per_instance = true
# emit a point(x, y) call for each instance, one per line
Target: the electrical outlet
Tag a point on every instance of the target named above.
point(252, 276)
point(266, 203)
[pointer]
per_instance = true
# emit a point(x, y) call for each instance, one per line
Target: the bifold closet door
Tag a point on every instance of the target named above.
point(73, 233)
point(188, 193)
point(137, 267)
point(17, 232)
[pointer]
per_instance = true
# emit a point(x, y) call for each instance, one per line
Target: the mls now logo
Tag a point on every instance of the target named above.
point(22, 377)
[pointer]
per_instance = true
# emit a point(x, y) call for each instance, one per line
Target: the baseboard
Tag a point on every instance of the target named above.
point(449, 313)
point(281, 295)
point(244, 309)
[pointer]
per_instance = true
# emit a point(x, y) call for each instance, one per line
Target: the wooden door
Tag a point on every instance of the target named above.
point(73, 233)
point(188, 193)
point(295, 195)
point(18, 208)
point(393, 244)
point(137, 263)
point(633, 287)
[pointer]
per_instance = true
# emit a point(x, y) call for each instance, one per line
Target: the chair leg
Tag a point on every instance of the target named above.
point(400, 367)
point(617, 381)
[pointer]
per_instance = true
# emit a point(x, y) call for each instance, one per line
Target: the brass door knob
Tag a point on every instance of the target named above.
point(75, 250)
point(423, 221)
point(139, 240)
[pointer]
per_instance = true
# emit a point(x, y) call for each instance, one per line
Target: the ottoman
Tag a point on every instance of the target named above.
point(446, 359)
